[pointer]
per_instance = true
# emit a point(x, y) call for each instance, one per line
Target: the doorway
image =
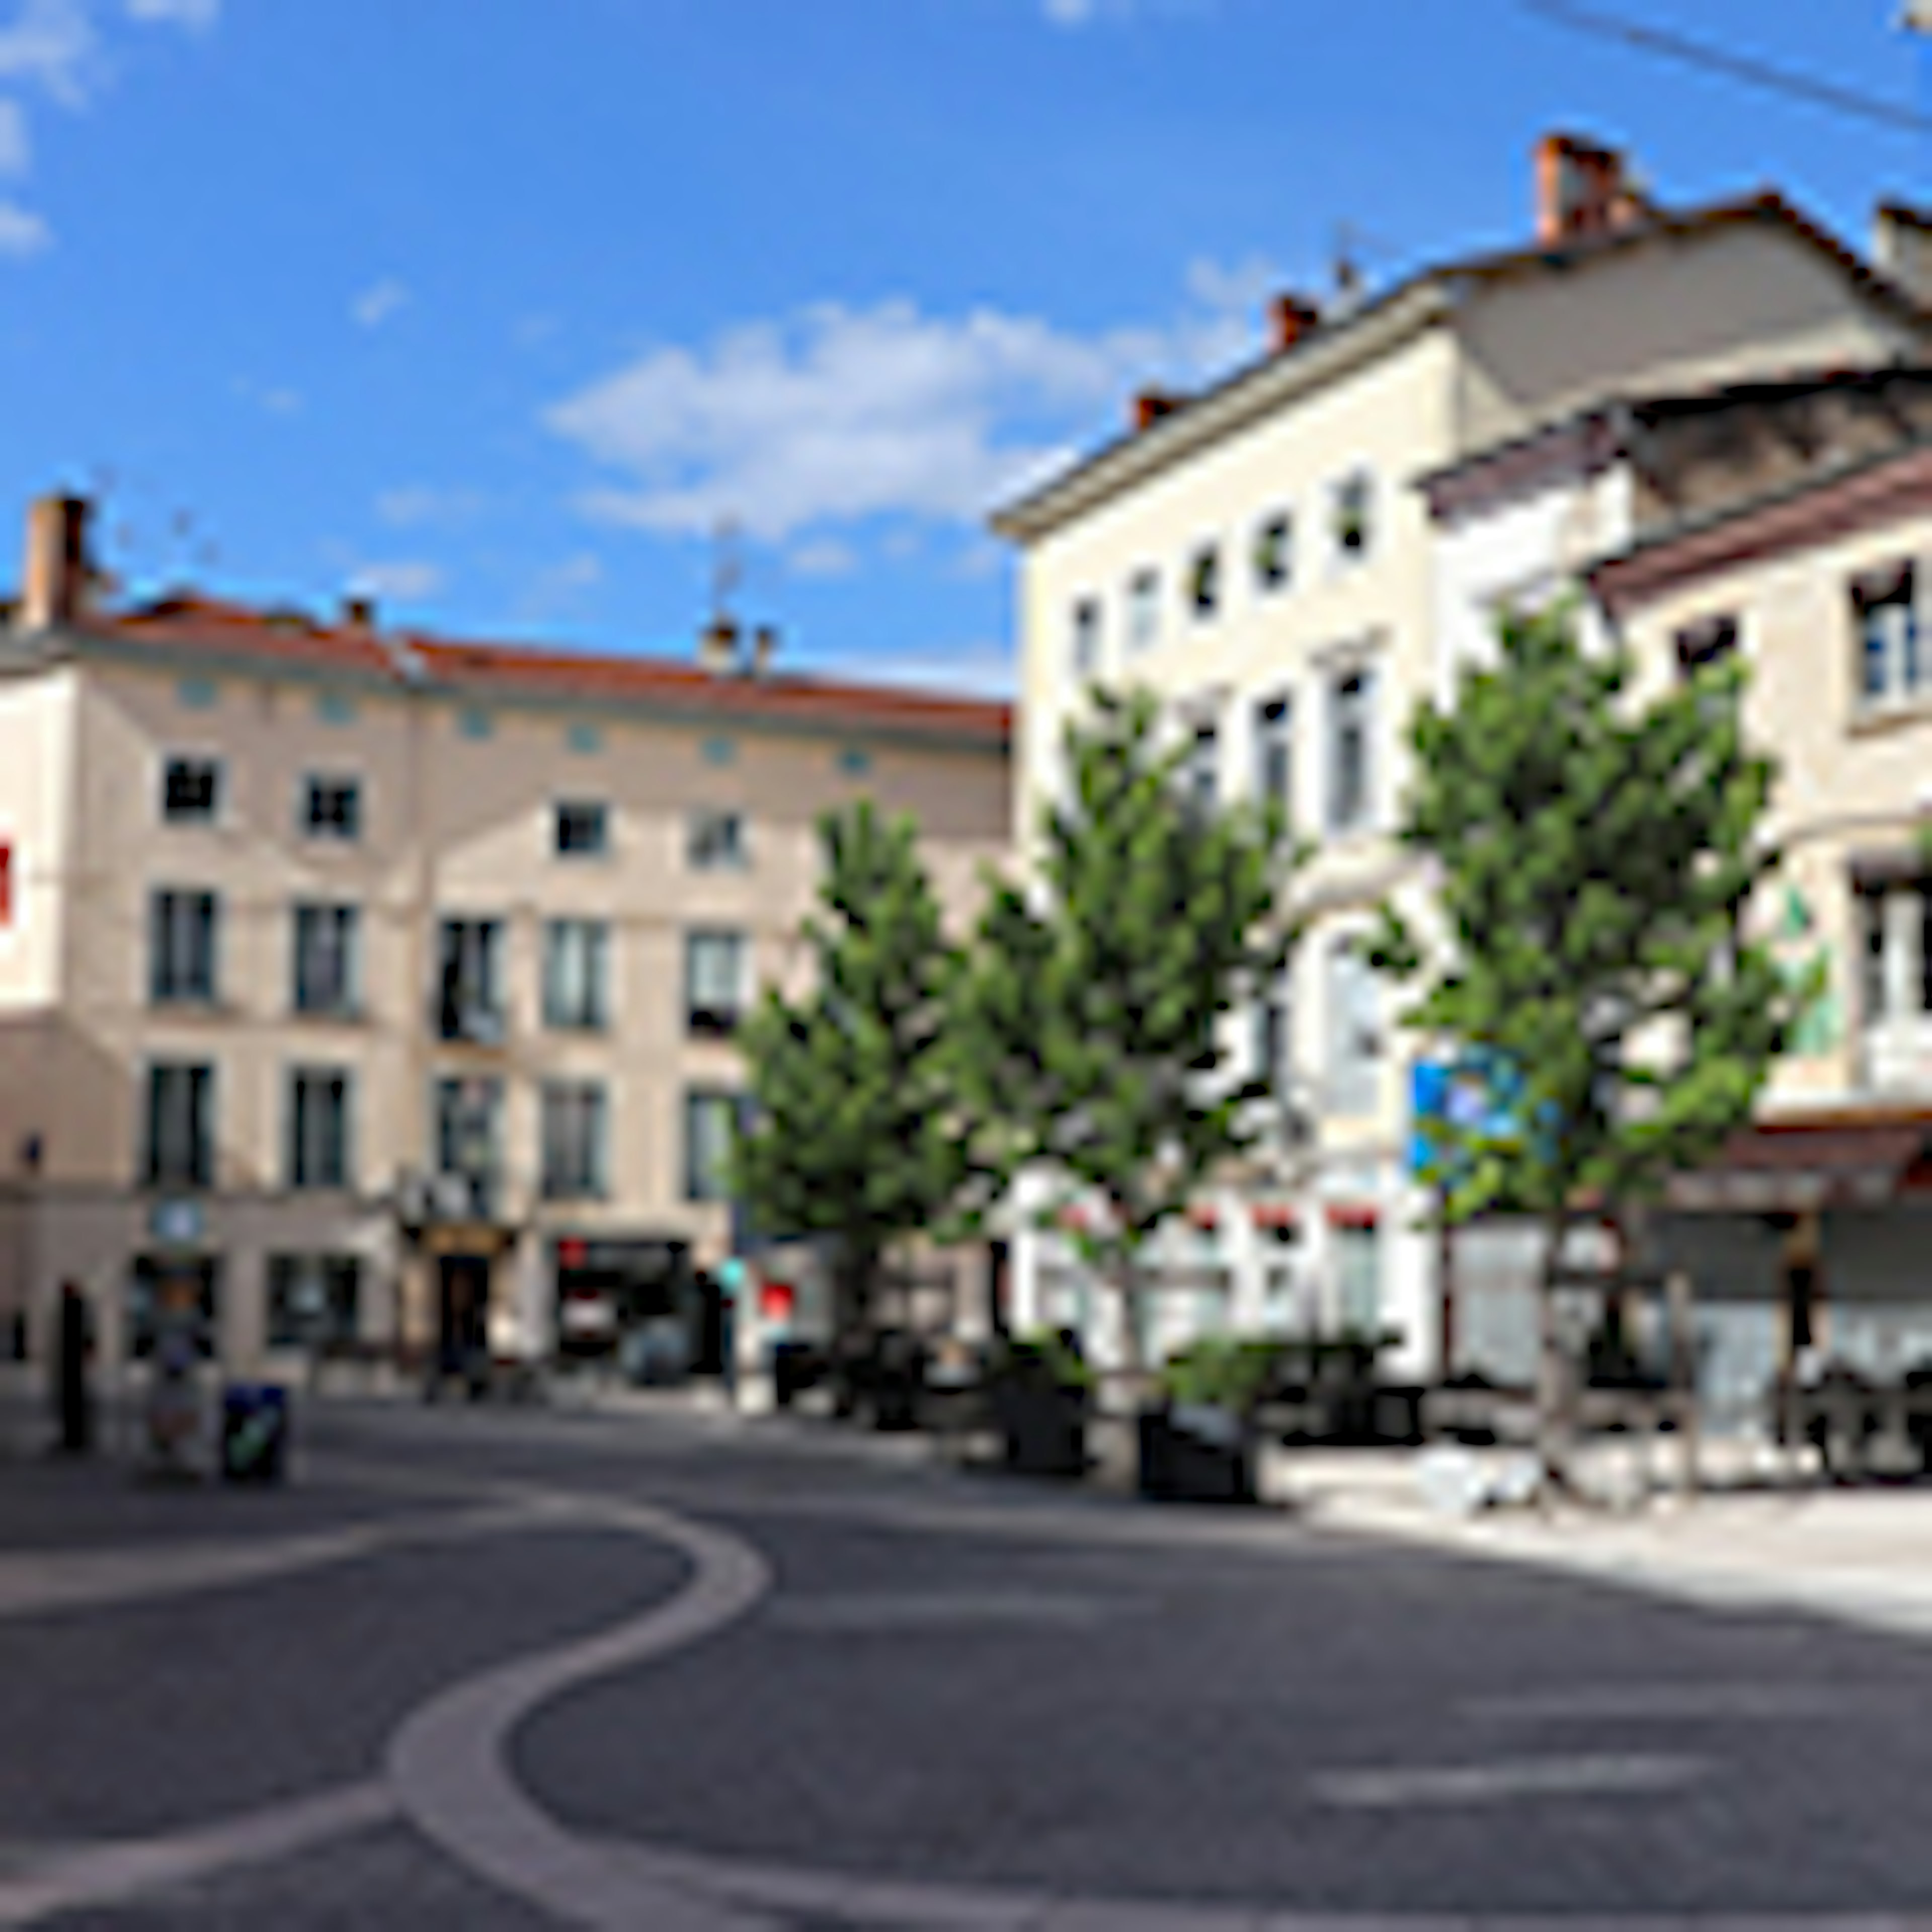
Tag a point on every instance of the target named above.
point(463, 1307)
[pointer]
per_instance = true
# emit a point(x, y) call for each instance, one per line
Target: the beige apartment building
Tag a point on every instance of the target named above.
point(1263, 556)
point(383, 987)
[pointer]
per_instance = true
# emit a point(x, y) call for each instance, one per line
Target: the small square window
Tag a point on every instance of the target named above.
point(584, 738)
point(473, 723)
point(855, 763)
point(583, 830)
point(191, 791)
point(715, 841)
point(334, 707)
point(1274, 552)
point(332, 807)
point(720, 751)
point(197, 694)
point(1353, 517)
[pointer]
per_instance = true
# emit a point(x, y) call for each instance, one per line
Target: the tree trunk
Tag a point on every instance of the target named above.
point(1553, 1430)
point(1126, 1288)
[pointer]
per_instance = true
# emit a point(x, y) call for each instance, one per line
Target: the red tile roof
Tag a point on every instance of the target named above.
point(194, 625)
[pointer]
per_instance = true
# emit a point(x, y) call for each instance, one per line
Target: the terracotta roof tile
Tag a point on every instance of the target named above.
point(192, 623)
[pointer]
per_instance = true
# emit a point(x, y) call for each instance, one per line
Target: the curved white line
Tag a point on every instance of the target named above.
point(448, 1764)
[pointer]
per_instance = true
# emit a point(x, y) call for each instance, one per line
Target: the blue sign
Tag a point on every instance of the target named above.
point(1479, 1094)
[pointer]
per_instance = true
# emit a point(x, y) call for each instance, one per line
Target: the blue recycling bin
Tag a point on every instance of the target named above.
point(254, 1432)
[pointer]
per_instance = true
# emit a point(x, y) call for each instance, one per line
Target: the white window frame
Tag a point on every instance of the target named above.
point(707, 846)
point(1352, 1030)
point(1361, 479)
point(178, 1126)
point(1266, 525)
point(574, 1125)
point(576, 989)
point(1905, 653)
point(713, 955)
point(1363, 818)
point(474, 1008)
point(586, 812)
point(314, 789)
point(1205, 570)
point(701, 1181)
point(1273, 735)
point(184, 946)
point(1143, 607)
point(216, 768)
point(1085, 638)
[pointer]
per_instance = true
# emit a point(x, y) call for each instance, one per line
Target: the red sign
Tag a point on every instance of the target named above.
point(6, 882)
point(1348, 1214)
point(776, 1300)
point(571, 1254)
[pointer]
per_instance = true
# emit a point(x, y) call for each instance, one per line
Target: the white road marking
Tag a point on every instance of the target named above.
point(864, 1615)
point(99, 1874)
point(1689, 1702)
point(1401, 1785)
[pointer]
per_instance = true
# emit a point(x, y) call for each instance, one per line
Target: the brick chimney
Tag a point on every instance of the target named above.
point(358, 611)
point(764, 645)
point(1151, 405)
point(59, 576)
point(1582, 189)
point(1290, 318)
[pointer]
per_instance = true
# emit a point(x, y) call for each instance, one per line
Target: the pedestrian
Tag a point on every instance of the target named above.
point(73, 1344)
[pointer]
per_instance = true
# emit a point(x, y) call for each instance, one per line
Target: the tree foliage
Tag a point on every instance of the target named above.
point(1089, 1017)
point(853, 1128)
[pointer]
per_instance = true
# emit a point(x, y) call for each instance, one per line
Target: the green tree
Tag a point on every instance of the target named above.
point(1088, 1018)
point(1595, 863)
point(851, 1127)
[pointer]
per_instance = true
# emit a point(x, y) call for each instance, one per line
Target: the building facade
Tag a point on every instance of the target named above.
point(384, 987)
point(1263, 557)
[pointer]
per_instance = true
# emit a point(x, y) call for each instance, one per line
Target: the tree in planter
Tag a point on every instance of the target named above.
point(1087, 1034)
point(853, 1129)
point(1594, 864)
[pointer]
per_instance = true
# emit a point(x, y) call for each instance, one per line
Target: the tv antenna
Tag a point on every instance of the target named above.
point(727, 568)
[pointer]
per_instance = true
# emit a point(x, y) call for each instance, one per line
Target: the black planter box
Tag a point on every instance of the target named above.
point(1043, 1428)
point(1206, 1457)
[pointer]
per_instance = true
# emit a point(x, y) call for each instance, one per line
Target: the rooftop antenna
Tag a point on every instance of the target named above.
point(1349, 244)
point(727, 571)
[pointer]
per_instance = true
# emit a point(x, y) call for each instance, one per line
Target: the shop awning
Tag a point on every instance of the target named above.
point(1791, 1169)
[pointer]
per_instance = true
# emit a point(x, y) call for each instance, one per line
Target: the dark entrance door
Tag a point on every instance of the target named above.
point(463, 1309)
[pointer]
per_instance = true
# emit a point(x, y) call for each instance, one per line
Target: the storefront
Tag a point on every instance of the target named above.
point(603, 1288)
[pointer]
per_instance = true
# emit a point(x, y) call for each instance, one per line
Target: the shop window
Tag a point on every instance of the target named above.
point(315, 1301)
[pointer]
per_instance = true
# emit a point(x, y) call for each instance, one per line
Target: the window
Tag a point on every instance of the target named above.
point(318, 1145)
point(1705, 646)
point(715, 841)
point(1143, 610)
point(584, 738)
point(182, 942)
point(714, 970)
point(1086, 652)
point(853, 762)
point(583, 830)
point(1891, 658)
point(335, 707)
point(468, 1120)
point(197, 694)
point(720, 751)
point(575, 1117)
point(189, 1288)
point(1204, 580)
point(1351, 775)
point(332, 807)
point(191, 791)
point(473, 723)
point(1351, 517)
point(1274, 754)
point(710, 1119)
point(325, 958)
point(1274, 552)
point(1354, 1040)
point(1274, 1037)
point(470, 993)
point(1895, 950)
point(1358, 1277)
point(575, 974)
point(180, 1148)
point(314, 1301)
point(1200, 773)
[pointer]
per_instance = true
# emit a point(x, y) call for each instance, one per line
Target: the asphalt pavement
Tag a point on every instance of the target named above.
point(698, 1674)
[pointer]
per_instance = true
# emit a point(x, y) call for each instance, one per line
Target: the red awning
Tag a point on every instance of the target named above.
point(1791, 1169)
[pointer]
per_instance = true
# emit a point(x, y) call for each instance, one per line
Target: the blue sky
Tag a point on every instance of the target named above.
point(497, 308)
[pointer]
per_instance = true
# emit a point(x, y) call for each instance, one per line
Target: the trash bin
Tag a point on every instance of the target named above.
point(254, 1432)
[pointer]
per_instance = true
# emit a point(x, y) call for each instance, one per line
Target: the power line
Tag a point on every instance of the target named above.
point(1689, 53)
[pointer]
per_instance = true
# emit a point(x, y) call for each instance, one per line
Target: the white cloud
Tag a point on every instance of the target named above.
point(275, 400)
point(51, 45)
point(825, 556)
point(837, 414)
point(407, 580)
point(415, 505)
point(22, 231)
point(1070, 13)
point(374, 306)
point(197, 15)
point(16, 149)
